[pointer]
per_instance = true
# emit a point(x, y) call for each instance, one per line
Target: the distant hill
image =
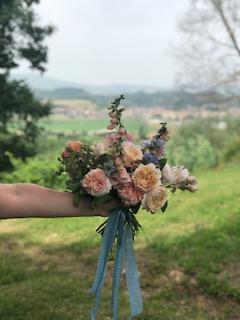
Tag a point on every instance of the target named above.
point(36, 81)
point(143, 96)
point(171, 99)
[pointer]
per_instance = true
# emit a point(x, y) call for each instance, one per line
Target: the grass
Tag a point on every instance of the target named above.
point(55, 124)
point(188, 258)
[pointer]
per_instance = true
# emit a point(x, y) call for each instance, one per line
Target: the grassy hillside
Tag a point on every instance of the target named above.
point(189, 260)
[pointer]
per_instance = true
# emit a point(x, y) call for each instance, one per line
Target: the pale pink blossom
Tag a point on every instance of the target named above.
point(129, 195)
point(96, 183)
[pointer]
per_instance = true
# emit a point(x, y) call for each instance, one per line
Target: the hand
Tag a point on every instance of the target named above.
point(104, 210)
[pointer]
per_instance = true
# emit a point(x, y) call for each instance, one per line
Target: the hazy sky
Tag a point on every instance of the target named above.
point(112, 41)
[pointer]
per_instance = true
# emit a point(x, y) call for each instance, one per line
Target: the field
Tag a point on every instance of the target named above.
point(56, 124)
point(188, 258)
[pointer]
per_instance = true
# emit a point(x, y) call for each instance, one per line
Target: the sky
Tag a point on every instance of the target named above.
point(102, 42)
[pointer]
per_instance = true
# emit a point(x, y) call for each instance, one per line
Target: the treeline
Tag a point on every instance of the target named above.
point(171, 99)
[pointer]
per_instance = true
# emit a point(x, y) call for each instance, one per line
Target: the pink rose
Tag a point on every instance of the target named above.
point(96, 183)
point(121, 177)
point(129, 195)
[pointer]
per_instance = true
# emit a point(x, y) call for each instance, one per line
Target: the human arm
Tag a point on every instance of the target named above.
point(23, 200)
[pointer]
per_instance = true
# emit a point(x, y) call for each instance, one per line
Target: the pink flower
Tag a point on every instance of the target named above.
point(121, 177)
point(114, 121)
point(129, 195)
point(111, 114)
point(111, 126)
point(96, 183)
point(131, 153)
point(118, 162)
point(129, 137)
point(111, 138)
point(121, 132)
point(65, 154)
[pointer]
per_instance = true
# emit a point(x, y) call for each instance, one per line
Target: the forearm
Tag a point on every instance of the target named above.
point(28, 200)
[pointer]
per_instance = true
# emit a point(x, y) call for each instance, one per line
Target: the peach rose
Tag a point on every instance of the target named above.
point(145, 177)
point(74, 146)
point(155, 199)
point(96, 183)
point(131, 153)
point(129, 195)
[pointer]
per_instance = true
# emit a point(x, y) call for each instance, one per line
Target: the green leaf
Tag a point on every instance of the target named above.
point(77, 198)
point(162, 162)
point(101, 200)
point(73, 186)
point(135, 208)
point(165, 206)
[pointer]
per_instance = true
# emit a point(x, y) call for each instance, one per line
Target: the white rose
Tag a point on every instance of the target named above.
point(167, 175)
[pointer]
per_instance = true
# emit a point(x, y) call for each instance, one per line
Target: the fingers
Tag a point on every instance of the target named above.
point(104, 209)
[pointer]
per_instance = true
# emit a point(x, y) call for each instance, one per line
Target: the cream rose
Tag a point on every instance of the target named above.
point(155, 199)
point(174, 175)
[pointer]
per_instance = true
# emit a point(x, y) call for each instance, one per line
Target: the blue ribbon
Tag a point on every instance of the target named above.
point(119, 228)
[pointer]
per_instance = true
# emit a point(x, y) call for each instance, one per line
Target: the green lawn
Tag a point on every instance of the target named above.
point(188, 258)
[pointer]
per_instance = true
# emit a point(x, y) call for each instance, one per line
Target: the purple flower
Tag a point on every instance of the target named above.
point(146, 143)
point(156, 143)
point(150, 158)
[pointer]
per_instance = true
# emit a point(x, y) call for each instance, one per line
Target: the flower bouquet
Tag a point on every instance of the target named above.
point(138, 176)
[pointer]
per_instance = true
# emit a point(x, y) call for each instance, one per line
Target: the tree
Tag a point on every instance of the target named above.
point(21, 38)
point(210, 54)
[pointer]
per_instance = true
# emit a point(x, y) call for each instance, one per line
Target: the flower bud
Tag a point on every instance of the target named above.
point(121, 132)
point(192, 187)
point(74, 146)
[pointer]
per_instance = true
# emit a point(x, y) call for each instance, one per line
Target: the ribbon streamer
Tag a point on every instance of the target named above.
point(118, 227)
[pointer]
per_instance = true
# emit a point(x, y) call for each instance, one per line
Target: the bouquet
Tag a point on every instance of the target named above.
point(138, 176)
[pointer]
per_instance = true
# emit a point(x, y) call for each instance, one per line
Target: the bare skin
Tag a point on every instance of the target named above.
point(23, 200)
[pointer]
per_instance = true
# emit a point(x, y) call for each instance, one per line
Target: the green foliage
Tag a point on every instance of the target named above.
point(192, 152)
point(21, 38)
point(204, 143)
point(21, 35)
point(39, 170)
